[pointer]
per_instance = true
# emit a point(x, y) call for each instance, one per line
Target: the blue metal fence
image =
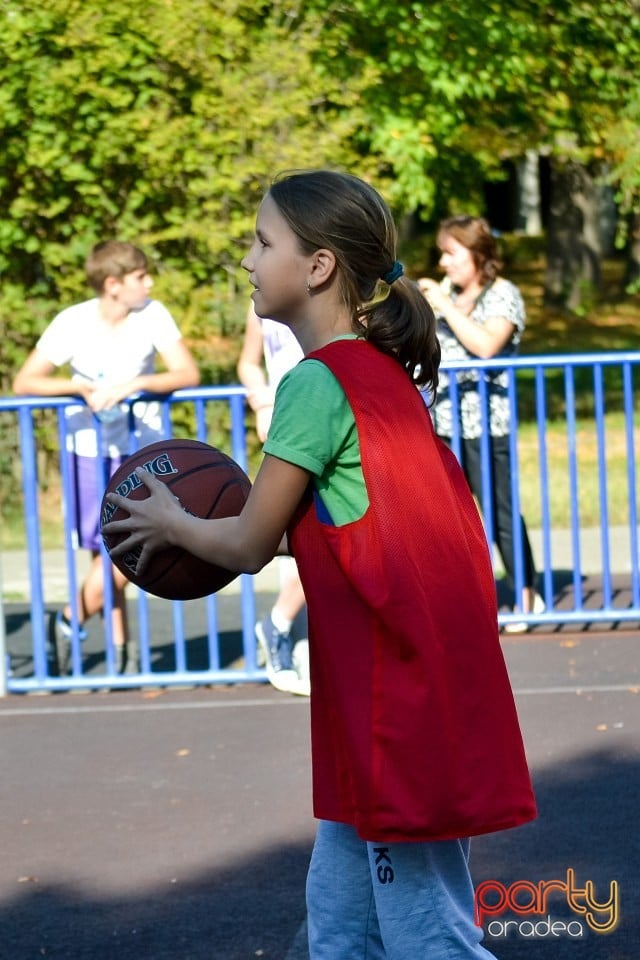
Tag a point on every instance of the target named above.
point(593, 396)
point(571, 390)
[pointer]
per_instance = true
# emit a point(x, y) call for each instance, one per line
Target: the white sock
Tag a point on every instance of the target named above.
point(282, 624)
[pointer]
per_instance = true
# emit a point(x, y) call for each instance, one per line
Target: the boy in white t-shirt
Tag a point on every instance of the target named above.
point(109, 344)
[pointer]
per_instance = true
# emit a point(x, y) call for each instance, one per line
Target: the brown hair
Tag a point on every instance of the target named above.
point(341, 213)
point(113, 258)
point(475, 234)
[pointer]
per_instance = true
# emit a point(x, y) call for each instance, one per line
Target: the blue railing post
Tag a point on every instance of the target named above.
point(632, 488)
point(545, 513)
point(518, 545)
point(239, 454)
point(574, 500)
point(603, 500)
point(32, 525)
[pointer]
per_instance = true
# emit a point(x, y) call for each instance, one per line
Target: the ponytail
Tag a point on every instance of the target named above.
point(403, 325)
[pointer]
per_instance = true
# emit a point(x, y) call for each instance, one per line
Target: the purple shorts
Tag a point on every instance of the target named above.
point(88, 481)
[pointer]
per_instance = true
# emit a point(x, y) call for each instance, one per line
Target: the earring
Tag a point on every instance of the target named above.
point(309, 287)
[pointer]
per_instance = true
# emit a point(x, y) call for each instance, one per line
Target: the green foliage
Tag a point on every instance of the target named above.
point(465, 86)
point(163, 125)
point(624, 143)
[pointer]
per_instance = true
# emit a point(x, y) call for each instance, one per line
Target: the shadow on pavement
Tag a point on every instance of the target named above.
point(249, 911)
point(177, 825)
point(588, 822)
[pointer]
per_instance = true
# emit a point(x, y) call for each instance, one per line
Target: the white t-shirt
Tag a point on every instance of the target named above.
point(281, 350)
point(99, 352)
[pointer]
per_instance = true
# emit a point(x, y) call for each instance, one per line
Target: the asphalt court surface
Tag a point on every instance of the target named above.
point(177, 824)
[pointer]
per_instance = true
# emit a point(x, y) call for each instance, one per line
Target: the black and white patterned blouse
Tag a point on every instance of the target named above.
point(501, 299)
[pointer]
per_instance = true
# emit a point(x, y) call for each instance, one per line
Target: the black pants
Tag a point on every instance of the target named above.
point(503, 519)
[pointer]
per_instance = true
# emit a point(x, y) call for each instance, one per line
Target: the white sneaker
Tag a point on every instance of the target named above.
point(288, 681)
point(521, 626)
point(277, 650)
point(300, 658)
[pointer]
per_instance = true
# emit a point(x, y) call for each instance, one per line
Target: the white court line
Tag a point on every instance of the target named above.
point(293, 701)
point(146, 707)
point(630, 687)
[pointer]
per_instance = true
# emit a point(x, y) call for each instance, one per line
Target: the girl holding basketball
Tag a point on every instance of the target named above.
point(415, 739)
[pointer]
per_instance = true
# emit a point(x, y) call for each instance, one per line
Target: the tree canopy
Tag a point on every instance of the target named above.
point(164, 124)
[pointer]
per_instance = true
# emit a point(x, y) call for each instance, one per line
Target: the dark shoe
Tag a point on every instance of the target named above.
point(60, 635)
point(126, 659)
point(60, 645)
point(277, 649)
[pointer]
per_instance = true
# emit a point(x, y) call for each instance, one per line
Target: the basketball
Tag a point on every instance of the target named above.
point(207, 483)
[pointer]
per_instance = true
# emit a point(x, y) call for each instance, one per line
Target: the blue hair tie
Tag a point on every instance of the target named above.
point(392, 275)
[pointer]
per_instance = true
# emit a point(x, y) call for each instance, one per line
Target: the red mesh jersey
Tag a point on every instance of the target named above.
point(414, 730)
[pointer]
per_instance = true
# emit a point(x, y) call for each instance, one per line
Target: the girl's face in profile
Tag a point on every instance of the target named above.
point(277, 268)
point(457, 262)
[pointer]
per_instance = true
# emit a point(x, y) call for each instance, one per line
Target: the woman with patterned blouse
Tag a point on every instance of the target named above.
point(481, 314)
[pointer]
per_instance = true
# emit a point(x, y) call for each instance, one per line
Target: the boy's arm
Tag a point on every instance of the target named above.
point(181, 371)
point(37, 377)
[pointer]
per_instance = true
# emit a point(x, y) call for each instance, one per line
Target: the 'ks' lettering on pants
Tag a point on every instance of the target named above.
point(384, 870)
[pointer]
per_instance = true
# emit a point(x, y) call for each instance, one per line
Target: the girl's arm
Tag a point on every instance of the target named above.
point(244, 543)
point(251, 374)
point(250, 363)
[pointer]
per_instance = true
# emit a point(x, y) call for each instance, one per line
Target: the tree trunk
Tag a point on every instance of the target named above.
point(573, 237)
point(529, 212)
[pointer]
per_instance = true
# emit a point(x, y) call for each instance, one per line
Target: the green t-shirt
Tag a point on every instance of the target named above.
point(313, 427)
